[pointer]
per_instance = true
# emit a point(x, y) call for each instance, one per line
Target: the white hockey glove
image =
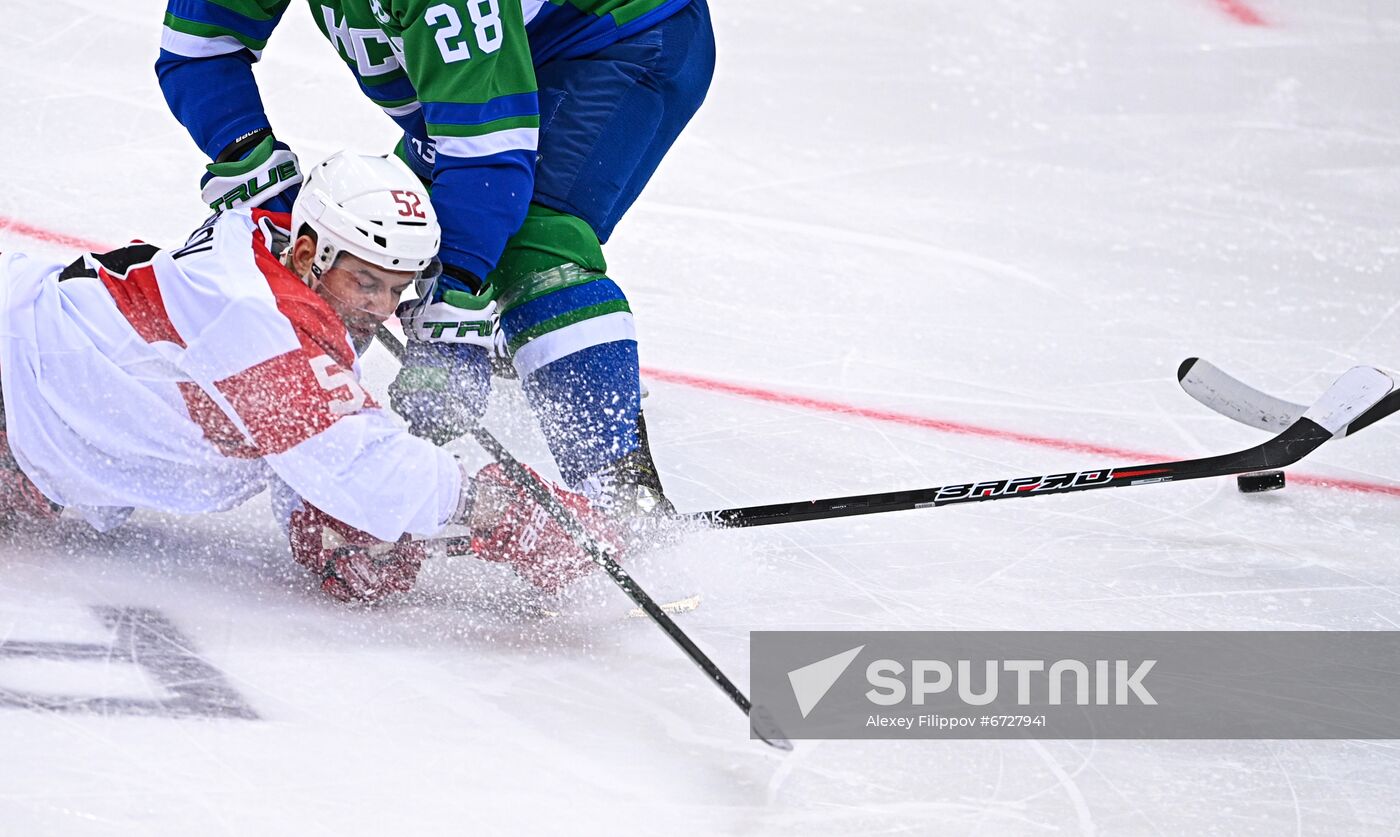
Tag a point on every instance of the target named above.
point(458, 318)
point(268, 176)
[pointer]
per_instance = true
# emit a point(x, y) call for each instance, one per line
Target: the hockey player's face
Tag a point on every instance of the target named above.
point(363, 294)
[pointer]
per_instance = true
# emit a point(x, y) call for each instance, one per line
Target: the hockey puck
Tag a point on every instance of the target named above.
point(1260, 481)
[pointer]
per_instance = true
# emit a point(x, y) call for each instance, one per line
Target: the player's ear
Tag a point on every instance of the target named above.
point(303, 255)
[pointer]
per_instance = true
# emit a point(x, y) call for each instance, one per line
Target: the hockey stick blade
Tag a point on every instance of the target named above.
point(1353, 394)
point(1356, 392)
point(761, 723)
point(1236, 400)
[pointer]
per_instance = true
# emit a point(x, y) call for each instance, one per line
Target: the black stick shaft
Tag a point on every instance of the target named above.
point(390, 341)
point(1300, 439)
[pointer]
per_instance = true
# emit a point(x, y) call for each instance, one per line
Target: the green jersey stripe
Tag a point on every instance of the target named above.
point(509, 123)
point(208, 32)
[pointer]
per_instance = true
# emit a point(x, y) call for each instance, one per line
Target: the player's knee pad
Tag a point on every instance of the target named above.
point(546, 240)
point(554, 294)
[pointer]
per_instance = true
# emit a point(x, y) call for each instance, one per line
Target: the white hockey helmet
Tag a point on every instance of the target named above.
point(373, 208)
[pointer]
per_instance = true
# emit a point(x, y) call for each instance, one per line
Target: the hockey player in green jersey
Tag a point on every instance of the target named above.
point(537, 124)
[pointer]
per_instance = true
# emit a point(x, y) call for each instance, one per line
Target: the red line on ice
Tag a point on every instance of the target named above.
point(40, 234)
point(821, 405)
point(1345, 485)
point(1241, 12)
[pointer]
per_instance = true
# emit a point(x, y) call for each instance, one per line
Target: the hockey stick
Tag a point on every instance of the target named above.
point(1234, 399)
point(760, 720)
point(1359, 395)
point(1352, 395)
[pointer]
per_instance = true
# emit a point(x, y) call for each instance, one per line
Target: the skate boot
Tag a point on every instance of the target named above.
point(629, 487)
point(629, 492)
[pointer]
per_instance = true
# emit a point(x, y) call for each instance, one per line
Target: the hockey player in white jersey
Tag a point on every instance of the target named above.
point(190, 380)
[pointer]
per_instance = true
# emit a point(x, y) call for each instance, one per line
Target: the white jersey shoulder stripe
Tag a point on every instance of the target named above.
point(195, 46)
point(513, 139)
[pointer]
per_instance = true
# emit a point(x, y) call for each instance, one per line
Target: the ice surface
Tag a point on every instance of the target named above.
point(1013, 215)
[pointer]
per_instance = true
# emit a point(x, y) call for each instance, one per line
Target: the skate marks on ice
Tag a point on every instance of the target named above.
point(984, 265)
point(140, 637)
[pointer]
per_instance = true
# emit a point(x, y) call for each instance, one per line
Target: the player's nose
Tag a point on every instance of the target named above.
point(384, 302)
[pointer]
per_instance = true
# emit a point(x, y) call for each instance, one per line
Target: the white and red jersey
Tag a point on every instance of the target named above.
point(194, 379)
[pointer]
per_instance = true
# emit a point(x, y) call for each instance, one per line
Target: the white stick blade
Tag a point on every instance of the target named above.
point(1236, 400)
point(1357, 391)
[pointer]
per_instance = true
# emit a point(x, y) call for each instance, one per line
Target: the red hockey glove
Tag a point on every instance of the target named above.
point(352, 565)
point(514, 529)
